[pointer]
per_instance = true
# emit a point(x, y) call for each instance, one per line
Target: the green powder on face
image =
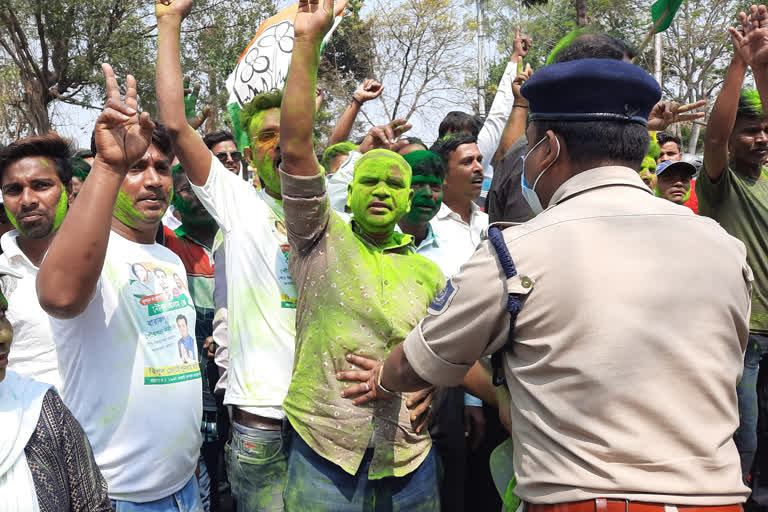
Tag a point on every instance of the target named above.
point(61, 212)
point(61, 209)
point(125, 212)
point(11, 218)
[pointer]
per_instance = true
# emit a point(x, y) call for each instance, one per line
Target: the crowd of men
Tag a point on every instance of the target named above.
point(267, 328)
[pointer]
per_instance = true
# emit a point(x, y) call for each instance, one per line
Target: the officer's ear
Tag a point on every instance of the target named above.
point(553, 149)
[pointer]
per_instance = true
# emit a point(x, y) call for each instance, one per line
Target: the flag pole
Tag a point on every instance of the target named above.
point(652, 32)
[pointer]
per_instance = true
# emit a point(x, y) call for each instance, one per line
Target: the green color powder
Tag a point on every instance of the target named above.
point(61, 212)
point(11, 218)
point(384, 176)
point(61, 209)
point(125, 212)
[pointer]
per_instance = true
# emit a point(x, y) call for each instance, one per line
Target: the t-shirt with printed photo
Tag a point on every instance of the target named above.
point(124, 380)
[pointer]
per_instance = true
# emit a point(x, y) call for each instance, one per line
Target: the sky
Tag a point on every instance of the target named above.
point(76, 122)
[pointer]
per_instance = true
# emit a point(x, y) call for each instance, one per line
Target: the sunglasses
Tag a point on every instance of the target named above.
point(268, 138)
point(225, 155)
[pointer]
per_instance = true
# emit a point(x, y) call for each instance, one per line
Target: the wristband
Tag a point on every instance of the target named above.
point(357, 101)
point(378, 383)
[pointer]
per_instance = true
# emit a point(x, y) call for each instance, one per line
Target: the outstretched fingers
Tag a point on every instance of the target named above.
point(131, 92)
point(113, 90)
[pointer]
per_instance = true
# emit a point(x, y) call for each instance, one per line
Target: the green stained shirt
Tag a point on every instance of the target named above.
point(353, 297)
point(740, 205)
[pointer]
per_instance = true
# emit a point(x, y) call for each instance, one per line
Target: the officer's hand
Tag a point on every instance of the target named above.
point(368, 390)
point(474, 426)
point(420, 405)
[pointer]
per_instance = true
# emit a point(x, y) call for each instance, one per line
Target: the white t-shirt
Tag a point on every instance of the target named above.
point(124, 379)
point(33, 353)
point(261, 296)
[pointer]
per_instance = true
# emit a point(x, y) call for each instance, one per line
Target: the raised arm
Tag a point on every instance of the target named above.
point(70, 272)
point(755, 48)
point(367, 91)
point(297, 114)
point(187, 144)
point(723, 116)
point(518, 118)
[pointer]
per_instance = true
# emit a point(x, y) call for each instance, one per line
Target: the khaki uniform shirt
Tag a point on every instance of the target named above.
point(627, 351)
point(353, 297)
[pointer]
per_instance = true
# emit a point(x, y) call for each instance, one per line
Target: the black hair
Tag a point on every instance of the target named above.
point(458, 122)
point(84, 153)
point(444, 146)
point(416, 140)
point(213, 138)
point(182, 317)
point(664, 137)
point(592, 141)
point(595, 46)
point(51, 146)
point(160, 138)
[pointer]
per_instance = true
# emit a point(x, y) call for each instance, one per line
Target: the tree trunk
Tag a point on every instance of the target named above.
point(36, 109)
point(694, 138)
point(581, 12)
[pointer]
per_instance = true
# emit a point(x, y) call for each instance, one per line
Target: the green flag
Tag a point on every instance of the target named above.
point(662, 12)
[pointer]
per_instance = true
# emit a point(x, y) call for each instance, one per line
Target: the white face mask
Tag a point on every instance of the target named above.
point(529, 193)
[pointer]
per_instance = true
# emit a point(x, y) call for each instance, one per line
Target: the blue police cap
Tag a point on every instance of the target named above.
point(591, 90)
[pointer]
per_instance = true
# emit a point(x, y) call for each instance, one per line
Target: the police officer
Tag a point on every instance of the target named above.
point(623, 388)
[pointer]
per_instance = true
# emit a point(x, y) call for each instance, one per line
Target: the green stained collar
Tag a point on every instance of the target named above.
point(181, 233)
point(399, 240)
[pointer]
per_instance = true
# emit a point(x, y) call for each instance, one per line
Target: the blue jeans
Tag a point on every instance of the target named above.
point(257, 462)
point(746, 435)
point(185, 500)
point(319, 485)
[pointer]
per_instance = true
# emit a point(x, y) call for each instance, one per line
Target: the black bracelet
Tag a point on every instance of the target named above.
point(357, 101)
point(517, 105)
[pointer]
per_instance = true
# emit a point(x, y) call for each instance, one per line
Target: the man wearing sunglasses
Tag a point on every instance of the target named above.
point(222, 145)
point(261, 296)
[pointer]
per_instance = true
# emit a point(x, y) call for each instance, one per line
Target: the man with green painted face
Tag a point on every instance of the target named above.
point(114, 327)
point(361, 287)
point(35, 179)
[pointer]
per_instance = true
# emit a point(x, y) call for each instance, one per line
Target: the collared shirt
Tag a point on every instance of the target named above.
point(353, 297)
point(261, 297)
point(626, 356)
point(33, 353)
point(462, 237)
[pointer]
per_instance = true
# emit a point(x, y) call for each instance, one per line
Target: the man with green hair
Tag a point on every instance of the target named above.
point(261, 296)
point(361, 288)
point(36, 181)
point(733, 190)
point(336, 155)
